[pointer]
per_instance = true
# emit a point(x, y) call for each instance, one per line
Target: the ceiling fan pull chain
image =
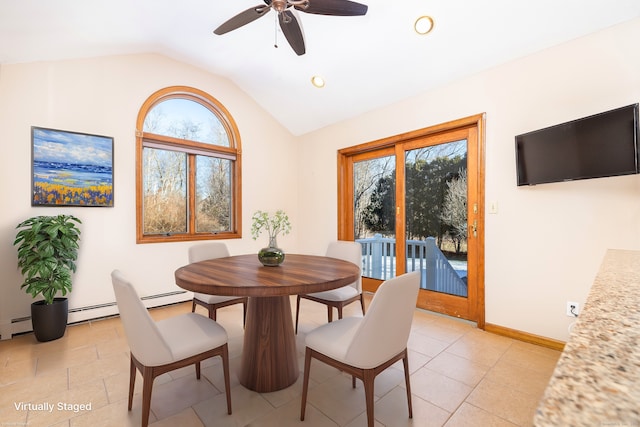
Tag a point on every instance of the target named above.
point(275, 31)
point(286, 20)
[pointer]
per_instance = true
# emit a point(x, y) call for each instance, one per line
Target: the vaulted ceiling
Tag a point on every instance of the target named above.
point(367, 61)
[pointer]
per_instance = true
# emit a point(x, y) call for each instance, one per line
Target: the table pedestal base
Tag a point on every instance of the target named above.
point(269, 356)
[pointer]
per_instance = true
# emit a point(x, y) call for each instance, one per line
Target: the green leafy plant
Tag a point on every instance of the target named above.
point(278, 223)
point(47, 251)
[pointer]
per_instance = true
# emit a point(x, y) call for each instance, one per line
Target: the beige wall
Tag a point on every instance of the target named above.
point(103, 96)
point(542, 248)
point(545, 244)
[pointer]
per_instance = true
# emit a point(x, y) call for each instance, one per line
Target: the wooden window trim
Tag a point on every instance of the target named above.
point(233, 152)
point(476, 125)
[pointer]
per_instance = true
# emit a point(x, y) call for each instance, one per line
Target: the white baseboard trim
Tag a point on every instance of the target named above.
point(84, 314)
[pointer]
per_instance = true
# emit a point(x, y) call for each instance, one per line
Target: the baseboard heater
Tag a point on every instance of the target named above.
point(92, 312)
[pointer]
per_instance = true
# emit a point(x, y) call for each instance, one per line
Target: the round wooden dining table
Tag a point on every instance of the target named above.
point(269, 356)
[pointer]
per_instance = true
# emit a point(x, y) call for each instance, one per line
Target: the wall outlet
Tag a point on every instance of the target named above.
point(573, 309)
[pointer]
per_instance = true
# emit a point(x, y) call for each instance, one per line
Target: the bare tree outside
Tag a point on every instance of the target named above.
point(165, 171)
point(154, 119)
point(366, 175)
point(213, 187)
point(435, 196)
point(185, 119)
point(165, 191)
point(454, 208)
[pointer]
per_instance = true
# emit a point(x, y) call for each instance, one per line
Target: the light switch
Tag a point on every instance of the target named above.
point(493, 207)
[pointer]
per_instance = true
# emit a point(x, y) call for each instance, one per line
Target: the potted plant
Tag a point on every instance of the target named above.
point(47, 253)
point(270, 256)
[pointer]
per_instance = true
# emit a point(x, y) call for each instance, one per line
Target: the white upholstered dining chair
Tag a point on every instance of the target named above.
point(212, 303)
point(338, 298)
point(366, 346)
point(166, 345)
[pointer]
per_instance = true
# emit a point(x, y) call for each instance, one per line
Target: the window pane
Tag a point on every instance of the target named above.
point(164, 191)
point(436, 216)
point(189, 186)
point(374, 211)
point(213, 194)
point(186, 119)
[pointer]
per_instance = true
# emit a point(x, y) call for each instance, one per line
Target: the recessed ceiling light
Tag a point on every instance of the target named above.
point(317, 81)
point(424, 25)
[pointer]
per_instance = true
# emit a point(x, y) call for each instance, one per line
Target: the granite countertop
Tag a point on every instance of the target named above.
point(597, 379)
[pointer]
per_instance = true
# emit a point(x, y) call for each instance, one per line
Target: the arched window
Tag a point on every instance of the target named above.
point(188, 168)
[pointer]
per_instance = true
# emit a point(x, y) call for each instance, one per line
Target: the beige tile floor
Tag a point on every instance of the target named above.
point(460, 376)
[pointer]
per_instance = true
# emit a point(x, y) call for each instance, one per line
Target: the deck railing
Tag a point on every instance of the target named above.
point(379, 261)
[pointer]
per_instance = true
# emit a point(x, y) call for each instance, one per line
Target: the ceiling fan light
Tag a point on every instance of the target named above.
point(317, 81)
point(423, 25)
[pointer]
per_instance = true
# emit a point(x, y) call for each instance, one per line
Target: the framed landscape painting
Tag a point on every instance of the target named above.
point(71, 168)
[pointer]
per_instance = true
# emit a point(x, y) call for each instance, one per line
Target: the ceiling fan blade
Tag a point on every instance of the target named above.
point(243, 18)
point(334, 7)
point(292, 32)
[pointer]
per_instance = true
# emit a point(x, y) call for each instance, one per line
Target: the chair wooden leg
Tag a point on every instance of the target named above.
point(132, 381)
point(305, 382)
point(339, 312)
point(193, 305)
point(147, 387)
point(405, 362)
point(150, 372)
point(330, 313)
point(227, 381)
point(369, 381)
point(362, 302)
point(353, 381)
point(297, 312)
point(212, 313)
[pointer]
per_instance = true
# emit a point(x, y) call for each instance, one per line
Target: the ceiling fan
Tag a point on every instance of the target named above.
point(288, 22)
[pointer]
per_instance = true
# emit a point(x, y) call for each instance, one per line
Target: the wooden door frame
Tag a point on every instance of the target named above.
point(345, 195)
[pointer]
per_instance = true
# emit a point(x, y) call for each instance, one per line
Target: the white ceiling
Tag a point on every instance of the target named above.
point(367, 61)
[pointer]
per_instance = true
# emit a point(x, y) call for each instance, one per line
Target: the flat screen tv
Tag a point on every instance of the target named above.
point(601, 145)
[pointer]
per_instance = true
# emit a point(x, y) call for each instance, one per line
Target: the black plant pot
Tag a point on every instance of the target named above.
point(49, 321)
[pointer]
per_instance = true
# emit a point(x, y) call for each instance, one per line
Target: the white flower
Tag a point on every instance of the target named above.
point(278, 223)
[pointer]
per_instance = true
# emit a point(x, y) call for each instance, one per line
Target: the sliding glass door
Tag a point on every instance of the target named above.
point(415, 204)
